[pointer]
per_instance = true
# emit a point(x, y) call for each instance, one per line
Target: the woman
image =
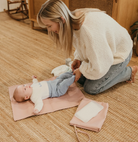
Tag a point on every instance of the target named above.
point(103, 47)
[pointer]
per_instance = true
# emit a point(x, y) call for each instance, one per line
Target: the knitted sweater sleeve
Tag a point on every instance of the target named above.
point(38, 104)
point(35, 80)
point(76, 55)
point(98, 53)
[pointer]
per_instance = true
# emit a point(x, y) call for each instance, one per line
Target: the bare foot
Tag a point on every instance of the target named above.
point(133, 74)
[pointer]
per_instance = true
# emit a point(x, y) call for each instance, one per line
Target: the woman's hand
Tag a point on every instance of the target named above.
point(75, 65)
point(77, 74)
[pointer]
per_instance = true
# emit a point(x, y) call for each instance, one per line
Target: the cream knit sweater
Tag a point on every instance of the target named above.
point(100, 43)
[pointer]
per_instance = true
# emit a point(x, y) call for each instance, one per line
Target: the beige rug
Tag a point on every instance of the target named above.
point(25, 52)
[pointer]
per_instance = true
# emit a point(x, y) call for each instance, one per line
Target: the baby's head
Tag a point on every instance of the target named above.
point(22, 93)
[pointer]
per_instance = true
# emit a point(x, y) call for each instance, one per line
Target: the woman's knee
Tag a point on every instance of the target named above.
point(91, 89)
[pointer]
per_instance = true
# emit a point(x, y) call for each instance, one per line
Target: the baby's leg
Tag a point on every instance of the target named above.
point(65, 75)
point(64, 85)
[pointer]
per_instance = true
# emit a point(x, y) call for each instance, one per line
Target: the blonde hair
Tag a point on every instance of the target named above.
point(54, 10)
point(16, 96)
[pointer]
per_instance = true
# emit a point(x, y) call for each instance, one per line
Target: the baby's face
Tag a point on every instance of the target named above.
point(25, 91)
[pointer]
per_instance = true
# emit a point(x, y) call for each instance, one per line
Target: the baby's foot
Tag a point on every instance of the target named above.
point(133, 74)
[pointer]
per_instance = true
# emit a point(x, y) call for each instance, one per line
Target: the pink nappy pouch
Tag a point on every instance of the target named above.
point(97, 120)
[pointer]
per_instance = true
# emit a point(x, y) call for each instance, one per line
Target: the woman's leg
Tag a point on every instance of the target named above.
point(134, 71)
point(117, 73)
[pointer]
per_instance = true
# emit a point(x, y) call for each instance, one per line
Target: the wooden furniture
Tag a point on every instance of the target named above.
point(19, 13)
point(125, 12)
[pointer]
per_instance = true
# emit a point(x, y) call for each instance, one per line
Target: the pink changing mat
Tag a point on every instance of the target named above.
point(25, 109)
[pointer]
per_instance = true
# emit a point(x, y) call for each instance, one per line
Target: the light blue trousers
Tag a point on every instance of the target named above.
point(117, 73)
point(60, 85)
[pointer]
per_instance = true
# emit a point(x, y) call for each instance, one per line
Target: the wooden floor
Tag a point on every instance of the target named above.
point(25, 52)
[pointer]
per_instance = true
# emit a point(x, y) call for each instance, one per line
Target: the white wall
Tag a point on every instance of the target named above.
point(3, 5)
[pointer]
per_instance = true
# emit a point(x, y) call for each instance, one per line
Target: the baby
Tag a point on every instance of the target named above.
point(44, 89)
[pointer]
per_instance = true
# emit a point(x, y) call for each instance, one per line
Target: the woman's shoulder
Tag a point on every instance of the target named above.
point(97, 20)
point(92, 21)
point(95, 15)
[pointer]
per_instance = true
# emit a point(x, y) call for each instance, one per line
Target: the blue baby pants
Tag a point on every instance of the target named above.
point(60, 85)
point(117, 73)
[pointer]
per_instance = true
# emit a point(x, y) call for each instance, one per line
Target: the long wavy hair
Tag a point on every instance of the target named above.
point(54, 10)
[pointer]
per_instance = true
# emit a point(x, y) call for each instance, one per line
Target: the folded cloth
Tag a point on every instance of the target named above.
point(61, 69)
point(95, 123)
point(89, 111)
point(25, 109)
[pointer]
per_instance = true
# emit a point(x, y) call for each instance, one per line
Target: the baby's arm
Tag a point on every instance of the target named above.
point(38, 106)
point(36, 111)
point(34, 79)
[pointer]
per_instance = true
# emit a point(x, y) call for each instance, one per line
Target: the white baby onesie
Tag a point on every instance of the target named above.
point(40, 92)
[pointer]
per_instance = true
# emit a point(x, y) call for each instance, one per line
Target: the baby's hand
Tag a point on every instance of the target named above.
point(34, 77)
point(36, 111)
